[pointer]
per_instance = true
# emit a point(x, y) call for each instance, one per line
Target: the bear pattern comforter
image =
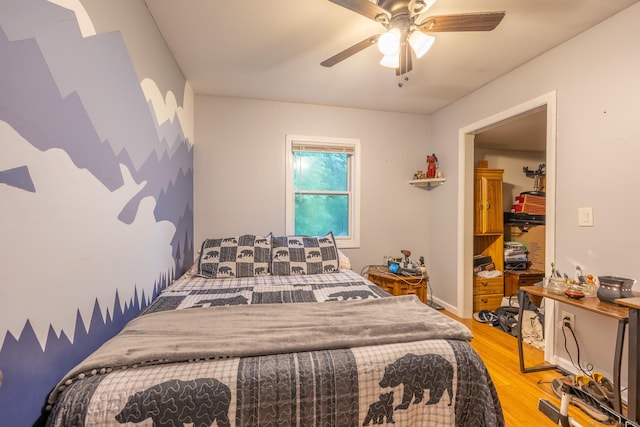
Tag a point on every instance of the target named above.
point(432, 379)
point(192, 291)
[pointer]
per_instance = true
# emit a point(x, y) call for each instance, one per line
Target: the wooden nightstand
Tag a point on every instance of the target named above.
point(397, 284)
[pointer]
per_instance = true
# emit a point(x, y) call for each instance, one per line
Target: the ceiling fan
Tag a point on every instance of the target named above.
point(407, 30)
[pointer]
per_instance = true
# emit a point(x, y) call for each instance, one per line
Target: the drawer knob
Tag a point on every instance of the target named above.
point(485, 283)
point(484, 300)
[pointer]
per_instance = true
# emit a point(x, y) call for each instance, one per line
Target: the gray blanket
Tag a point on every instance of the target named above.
point(253, 330)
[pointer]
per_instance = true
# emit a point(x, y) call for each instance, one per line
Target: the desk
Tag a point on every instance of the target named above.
point(398, 284)
point(593, 304)
point(633, 406)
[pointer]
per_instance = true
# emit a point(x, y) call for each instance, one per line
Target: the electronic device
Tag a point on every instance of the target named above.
point(404, 266)
point(394, 267)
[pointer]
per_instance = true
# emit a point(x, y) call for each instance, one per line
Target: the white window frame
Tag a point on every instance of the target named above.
point(353, 240)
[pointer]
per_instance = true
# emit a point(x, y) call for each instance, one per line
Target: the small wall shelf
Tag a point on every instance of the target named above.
point(427, 182)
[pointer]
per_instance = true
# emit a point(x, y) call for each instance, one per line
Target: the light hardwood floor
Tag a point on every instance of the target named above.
point(519, 393)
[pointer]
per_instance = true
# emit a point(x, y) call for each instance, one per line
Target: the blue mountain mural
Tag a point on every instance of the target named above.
point(62, 92)
point(18, 177)
point(32, 105)
point(38, 369)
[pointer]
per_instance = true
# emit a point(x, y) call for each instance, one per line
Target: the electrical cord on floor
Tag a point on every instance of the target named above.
point(545, 386)
point(589, 368)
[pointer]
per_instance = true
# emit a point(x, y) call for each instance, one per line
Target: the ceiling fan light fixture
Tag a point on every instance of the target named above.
point(389, 42)
point(391, 61)
point(406, 25)
point(420, 6)
point(421, 42)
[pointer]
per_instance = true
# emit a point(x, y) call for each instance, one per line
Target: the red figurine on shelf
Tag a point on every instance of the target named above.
point(432, 162)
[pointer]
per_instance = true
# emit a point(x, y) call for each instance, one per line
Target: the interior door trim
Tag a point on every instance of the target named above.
point(466, 137)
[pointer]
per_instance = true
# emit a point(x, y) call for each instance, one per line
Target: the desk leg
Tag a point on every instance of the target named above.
point(617, 363)
point(523, 299)
point(633, 371)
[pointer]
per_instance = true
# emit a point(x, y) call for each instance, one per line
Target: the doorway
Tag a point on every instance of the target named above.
point(466, 150)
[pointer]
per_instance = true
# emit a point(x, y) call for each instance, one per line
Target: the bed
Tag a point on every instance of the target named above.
point(292, 338)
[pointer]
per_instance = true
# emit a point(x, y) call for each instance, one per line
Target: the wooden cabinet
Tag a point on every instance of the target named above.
point(487, 293)
point(488, 236)
point(488, 216)
point(514, 279)
point(398, 285)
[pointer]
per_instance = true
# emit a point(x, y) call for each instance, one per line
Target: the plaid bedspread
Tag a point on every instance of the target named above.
point(192, 291)
point(439, 382)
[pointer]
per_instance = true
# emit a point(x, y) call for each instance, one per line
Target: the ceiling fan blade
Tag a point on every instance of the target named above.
point(350, 51)
point(483, 21)
point(405, 60)
point(364, 8)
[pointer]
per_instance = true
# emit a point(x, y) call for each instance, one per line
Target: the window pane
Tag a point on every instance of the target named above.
point(320, 171)
point(316, 215)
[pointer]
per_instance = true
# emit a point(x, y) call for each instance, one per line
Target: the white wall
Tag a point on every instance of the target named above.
point(598, 145)
point(240, 171)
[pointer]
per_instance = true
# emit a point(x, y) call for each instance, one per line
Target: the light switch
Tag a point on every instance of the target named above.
point(585, 217)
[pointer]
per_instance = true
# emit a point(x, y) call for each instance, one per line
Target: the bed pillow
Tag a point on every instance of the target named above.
point(239, 256)
point(344, 263)
point(293, 255)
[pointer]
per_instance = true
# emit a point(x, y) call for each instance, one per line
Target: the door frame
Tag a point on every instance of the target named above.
point(466, 136)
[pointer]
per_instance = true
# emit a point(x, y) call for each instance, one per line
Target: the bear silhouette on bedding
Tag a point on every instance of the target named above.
point(418, 373)
point(235, 300)
point(297, 270)
point(174, 403)
point(245, 253)
point(225, 270)
point(348, 295)
point(380, 409)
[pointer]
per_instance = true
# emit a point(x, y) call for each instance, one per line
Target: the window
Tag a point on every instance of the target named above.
point(323, 180)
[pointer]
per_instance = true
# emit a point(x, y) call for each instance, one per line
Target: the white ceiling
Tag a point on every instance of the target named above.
point(272, 49)
point(523, 132)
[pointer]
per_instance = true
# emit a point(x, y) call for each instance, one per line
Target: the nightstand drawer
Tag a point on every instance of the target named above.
point(484, 286)
point(486, 302)
point(399, 288)
point(407, 289)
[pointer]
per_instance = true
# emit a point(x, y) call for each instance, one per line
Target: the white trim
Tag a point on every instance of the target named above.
point(466, 137)
point(354, 209)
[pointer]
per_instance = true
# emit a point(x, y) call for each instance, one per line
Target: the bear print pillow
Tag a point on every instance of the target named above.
point(293, 255)
point(239, 256)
